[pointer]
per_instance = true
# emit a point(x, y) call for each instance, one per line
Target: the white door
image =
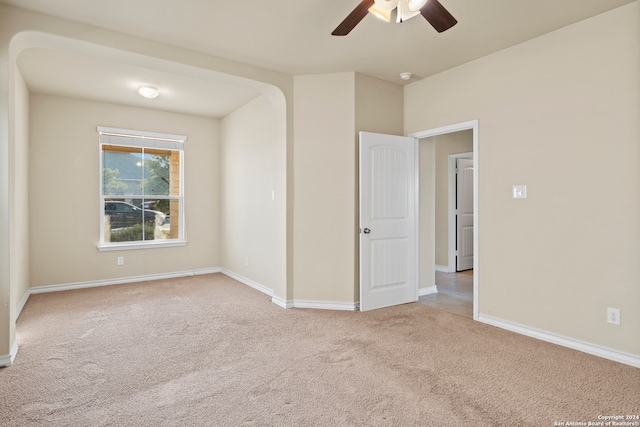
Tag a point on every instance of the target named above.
point(464, 214)
point(388, 252)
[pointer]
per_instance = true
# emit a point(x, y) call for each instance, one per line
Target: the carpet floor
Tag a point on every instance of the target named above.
point(209, 351)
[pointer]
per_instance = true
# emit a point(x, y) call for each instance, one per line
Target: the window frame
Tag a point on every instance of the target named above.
point(140, 139)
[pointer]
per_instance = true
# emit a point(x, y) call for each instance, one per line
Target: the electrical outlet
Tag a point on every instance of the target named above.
point(246, 261)
point(120, 260)
point(613, 315)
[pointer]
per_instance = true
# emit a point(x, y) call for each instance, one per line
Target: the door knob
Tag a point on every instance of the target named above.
point(366, 231)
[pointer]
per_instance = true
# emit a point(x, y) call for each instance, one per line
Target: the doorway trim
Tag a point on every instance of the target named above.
point(469, 125)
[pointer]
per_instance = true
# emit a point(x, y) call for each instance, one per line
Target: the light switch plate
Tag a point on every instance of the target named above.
point(519, 191)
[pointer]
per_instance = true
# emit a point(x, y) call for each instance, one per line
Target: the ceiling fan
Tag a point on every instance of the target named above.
point(431, 10)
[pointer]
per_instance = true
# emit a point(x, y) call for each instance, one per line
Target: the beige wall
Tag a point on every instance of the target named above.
point(447, 144)
point(379, 106)
point(324, 204)
point(427, 212)
point(20, 197)
point(64, 192)
point(248, 213)
point(330, 110)
point(560, 114)
point(7, 323)
point(17, 235)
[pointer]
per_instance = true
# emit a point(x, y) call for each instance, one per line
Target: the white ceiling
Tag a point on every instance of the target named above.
point(288, 36)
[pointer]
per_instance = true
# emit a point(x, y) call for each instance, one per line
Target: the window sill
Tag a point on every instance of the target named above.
point(136, 245)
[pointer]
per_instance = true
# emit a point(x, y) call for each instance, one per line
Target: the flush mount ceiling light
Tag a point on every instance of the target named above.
point(406, 75)
point(148, 91)
point(431, 10)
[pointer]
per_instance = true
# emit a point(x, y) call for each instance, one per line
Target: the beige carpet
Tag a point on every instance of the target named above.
point(208, 351)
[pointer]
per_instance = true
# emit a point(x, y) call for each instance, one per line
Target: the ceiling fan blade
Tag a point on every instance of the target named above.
point(438, 16)
point(353, 18)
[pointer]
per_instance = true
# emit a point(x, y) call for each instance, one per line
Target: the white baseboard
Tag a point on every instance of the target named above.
point(585, 347)
point(427, 290)
point(121, 280)
point(281, 302)
point(327, 305)
point(255, 285)
point(320, 305)
point(443, 268)
point(22, 303)
point(7, 359)
point(317, 305)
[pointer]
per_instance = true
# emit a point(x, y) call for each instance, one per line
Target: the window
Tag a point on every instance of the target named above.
point(141, 189)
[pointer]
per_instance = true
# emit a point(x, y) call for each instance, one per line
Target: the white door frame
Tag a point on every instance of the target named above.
point(473, 125)
point(451, 239)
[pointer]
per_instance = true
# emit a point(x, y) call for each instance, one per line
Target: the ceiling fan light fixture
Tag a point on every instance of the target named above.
point(148, 91)
point(385, 15)
point(386, 4)
point(403, 11)
point(431, 10)
point(416, 5)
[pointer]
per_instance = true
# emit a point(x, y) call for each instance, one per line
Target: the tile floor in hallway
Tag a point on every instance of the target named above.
point(455, 293)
